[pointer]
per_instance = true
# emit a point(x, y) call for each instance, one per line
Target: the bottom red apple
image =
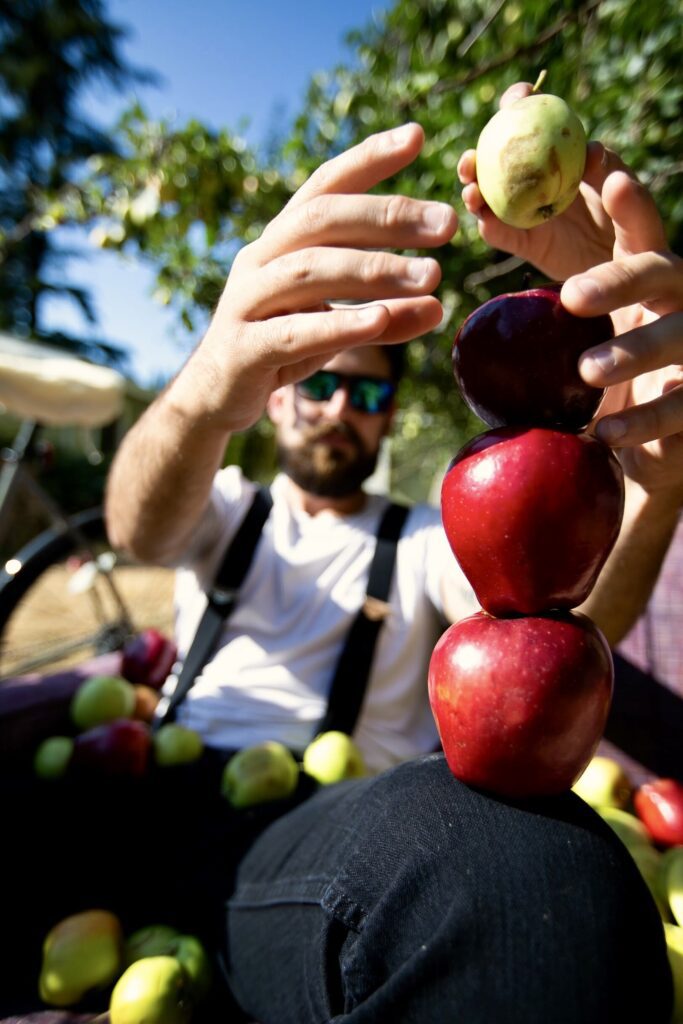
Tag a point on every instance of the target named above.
point(521, 703)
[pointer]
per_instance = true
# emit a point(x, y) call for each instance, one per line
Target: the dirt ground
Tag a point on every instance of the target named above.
point(55, 616)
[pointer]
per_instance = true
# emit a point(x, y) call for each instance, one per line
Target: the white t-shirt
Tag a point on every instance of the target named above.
point(271, 673)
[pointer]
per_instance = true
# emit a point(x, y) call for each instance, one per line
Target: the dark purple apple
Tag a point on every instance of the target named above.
point(531, 515)
point(148, 658)
point(521, 703)
point(120, 748)
point(515, 360)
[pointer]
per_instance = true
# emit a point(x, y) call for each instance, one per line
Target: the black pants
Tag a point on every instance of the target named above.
point(406, 898)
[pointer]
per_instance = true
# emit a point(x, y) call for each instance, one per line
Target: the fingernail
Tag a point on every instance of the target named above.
point(600, 362)
point(366, 314)
point(418, 269)
point(587, 287)
point(400, 135)
point(610, 430)
point(437, 217)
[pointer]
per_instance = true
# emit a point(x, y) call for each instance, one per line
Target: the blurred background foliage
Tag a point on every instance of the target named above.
point(185, 197)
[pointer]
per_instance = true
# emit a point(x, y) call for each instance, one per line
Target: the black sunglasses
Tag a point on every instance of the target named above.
point(366, 394)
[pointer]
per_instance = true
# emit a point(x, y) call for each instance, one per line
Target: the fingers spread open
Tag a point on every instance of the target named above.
point(637, 224)
point(662, 417)
point(654, 279)
point(652, 347)
point(358, 220)
point(365, 165)
point(308, 277)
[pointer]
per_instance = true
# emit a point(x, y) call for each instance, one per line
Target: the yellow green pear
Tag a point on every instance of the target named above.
point(153, 990)
point(102, 699)
point(530, 158)
point(82, 952)
point(604, 783)
point(259, 773)
point(333, 756)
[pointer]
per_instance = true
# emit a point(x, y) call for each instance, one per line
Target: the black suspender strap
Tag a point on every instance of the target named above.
point(221, 598)
point(646, 720)
point(353, 667)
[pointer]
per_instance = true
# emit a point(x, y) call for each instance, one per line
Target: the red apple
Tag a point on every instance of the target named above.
point(659, 805)
point(118, 748)
point(531, 515)
point(515, 360)
point(521, 703)
point(148, 658)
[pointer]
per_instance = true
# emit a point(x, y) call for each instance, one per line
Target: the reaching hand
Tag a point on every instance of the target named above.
point(610, 248)
point(274, 323)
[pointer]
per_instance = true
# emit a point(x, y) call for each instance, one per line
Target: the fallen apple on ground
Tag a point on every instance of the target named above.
point(531, 516)
point(672, 881)
point(333, 756)
point(154, 990)
point(659, 805)
point(604, 783)
point(520, 703)
point(259, 773)
point(627, 826)
point(674, 948)
point(176, 744)
point(82, 952)
point(102, 699)
point(53, 756)
point(146, 701)
point(515, 359)
point(188, 950)
point(530, 158)
point(120, 748)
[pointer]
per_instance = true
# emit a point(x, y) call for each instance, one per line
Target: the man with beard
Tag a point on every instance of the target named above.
point(404, 896)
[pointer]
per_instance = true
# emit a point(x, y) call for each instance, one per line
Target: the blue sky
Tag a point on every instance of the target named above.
point(225, 62)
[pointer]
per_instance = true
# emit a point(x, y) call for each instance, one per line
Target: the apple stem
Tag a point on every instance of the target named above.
point(539, 82)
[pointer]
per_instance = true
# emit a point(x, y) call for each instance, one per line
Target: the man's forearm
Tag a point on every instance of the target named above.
point(161, 477)
point(631, 571)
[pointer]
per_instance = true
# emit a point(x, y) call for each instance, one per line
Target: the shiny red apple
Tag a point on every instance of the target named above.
point(531, 515)
point(659, 805)
point(515, 360)
point(148, 658)
point(521, 703)
point(120, 748)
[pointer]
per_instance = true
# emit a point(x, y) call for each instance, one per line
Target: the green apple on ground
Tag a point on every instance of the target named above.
point(530, 158)
point(51, 759)
point(627, 826)
point(102, 699)
point(152, 940)
point(674, 948)
point(604, 783)
point(259, 773)
point(80, 953)
point(154, 990)
point(176, 744)
point(333, 756)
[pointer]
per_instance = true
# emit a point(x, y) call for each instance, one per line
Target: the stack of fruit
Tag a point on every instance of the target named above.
point(532, 507)
point(649, 821)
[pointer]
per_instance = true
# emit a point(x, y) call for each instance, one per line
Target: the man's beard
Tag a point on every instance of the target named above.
point(324, 470)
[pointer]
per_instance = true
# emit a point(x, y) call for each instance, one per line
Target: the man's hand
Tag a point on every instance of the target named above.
point(610, 249)
point(275, 323)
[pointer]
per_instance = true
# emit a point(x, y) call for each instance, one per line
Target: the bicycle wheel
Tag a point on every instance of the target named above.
point(66, 597)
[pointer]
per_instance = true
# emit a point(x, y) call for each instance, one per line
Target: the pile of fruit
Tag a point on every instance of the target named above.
point(156, 975)
point(649, 821)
